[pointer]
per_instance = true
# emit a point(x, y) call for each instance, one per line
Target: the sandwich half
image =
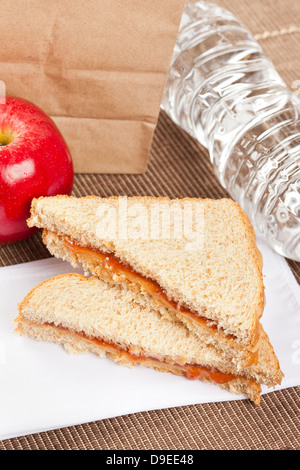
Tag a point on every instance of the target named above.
point(90, 315)
point(214, 288)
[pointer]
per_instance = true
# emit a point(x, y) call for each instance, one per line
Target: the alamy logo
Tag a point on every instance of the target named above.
point(160, 220)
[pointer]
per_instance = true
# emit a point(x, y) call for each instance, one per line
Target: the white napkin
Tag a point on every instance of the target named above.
point(42, 387)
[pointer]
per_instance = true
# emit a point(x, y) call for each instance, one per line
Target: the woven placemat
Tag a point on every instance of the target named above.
point(180, 167)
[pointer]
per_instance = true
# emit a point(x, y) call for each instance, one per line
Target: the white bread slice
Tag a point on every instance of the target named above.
point(73, 311)
point(221, 281)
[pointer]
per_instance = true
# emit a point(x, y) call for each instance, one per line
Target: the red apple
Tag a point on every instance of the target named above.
point(34, 161)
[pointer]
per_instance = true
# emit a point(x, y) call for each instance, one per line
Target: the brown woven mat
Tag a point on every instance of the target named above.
point(180, 167)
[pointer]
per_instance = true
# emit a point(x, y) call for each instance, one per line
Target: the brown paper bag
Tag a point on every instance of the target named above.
point(98, 68)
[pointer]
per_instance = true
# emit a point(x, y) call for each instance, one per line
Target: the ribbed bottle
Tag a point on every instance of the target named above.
point(224, 91)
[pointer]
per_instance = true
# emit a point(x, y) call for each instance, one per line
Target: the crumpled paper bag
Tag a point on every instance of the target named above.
point(98, 68)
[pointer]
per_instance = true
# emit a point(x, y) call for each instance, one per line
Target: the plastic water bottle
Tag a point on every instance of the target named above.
point(225, 92)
